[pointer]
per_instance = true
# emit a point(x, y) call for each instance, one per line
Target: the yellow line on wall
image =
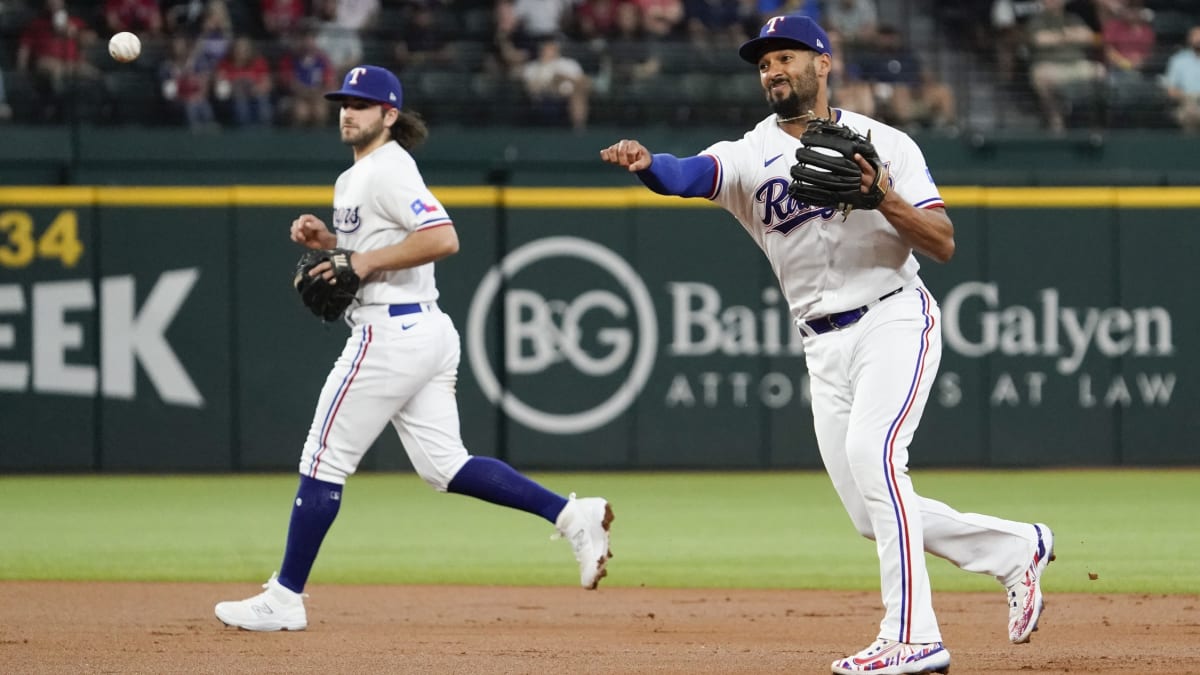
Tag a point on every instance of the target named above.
point(72, 195)
point(634, 196)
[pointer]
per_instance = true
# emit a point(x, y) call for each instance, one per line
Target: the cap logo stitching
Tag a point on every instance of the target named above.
point(354, 73)
point(771, 23)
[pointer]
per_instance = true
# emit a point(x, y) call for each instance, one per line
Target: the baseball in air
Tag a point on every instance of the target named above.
point(124, 46)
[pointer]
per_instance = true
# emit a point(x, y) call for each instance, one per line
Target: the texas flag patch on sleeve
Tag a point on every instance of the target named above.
point(418, 207)
point(428, 213)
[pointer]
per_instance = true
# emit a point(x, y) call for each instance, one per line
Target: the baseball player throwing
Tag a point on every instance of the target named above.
point(871, 331)
point(400, 362)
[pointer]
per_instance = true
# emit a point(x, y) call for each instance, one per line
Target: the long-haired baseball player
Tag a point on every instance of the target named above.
point(871, 328)
point(400, 362)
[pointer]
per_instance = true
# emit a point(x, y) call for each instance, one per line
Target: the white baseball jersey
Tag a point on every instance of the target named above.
point(400, 362)
point(378, 202)
point(824, 265)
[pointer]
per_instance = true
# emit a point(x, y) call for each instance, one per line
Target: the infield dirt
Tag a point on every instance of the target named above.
point(50, 627)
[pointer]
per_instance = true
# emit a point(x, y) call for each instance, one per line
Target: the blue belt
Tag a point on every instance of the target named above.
point(840, 320)
point(409, 308)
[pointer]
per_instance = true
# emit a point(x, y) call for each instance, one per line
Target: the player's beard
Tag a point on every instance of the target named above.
point(801, 97)
point(362, 136)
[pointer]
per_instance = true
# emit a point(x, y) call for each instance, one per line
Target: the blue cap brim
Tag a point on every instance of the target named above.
point(342, 94)
point(753, 50)
point(347, 93)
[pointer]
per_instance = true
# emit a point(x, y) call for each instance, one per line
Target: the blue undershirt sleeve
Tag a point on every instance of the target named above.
point(685, 177)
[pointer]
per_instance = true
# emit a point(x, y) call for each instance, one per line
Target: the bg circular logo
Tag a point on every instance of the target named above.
point(565, 330)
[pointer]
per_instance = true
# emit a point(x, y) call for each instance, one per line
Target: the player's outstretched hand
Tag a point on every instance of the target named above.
point(629, 154)
point(310, 231)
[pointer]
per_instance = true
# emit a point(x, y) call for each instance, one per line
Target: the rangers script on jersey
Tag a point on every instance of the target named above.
point(824, 264)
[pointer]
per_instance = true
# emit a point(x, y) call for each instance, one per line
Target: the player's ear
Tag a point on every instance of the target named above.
point(823, 64)
point(390, 115)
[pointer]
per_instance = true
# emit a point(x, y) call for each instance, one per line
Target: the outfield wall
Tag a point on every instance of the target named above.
point(156, 329)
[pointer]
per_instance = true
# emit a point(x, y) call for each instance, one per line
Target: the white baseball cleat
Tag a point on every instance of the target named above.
point(276, 608)
point(585, 523)
point(887, 657)
point(1025, 601)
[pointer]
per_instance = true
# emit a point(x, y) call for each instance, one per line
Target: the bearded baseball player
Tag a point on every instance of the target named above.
point(400, 363)
point(839, 202)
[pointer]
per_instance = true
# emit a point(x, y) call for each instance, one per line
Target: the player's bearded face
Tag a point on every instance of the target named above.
point(799, 96)
point(361, 126)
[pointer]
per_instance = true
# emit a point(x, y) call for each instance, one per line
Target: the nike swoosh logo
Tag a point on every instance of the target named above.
point(406, 326)
point(770, 161)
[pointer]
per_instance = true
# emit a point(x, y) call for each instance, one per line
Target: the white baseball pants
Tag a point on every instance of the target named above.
point(870, 383)
point(398, 369)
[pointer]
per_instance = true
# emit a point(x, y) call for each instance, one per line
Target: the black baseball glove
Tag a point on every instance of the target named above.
point(825, 173)
point(327, 298)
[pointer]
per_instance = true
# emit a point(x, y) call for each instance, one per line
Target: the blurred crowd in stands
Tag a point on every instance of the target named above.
point(222, 64)
point(1092, 63)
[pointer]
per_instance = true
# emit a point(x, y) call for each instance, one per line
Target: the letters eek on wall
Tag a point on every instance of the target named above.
point(51, 370)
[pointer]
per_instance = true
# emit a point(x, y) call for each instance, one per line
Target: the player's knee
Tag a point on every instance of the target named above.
point(438, 476)
point(330, 472)
point(862, 523)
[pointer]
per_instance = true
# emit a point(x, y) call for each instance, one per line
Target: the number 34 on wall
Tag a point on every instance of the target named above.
point(19, 245)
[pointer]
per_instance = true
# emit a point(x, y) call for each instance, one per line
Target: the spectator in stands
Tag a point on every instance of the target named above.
point(1182, 82)
point(556, 84)
point(662, 18)
point(215, 36)
point(510, 50)
point(597, 19)
point(856, 20)
point(282, 18)
point(183, 16)
point(1128, 36)
point(424, 39)
point(140, 17)
point(1128, 39)
point(305, 74)
point(715, 23)
point(343, 24)
point(51, 47)
point(343, 45)
point(906, 93)
point(847, 87)
point(1008, 19)
point(1060, 69)
point(537, 20)
point(769, 8)
point(632, 56)
point(244, 81)
point(356, 15)
point(185, 87)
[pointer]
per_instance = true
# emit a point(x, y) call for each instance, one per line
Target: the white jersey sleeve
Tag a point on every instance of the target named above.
point(733, 183)
point(409, 203)
point(910, 175)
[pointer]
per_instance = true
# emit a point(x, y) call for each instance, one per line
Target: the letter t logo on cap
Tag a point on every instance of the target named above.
point(771, 23)
point(354, 73)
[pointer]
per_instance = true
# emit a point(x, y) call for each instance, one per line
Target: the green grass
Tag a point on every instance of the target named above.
point(1136, 530)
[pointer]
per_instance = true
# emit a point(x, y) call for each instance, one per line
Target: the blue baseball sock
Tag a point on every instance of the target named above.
point(494, 481)
point(316, 506)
